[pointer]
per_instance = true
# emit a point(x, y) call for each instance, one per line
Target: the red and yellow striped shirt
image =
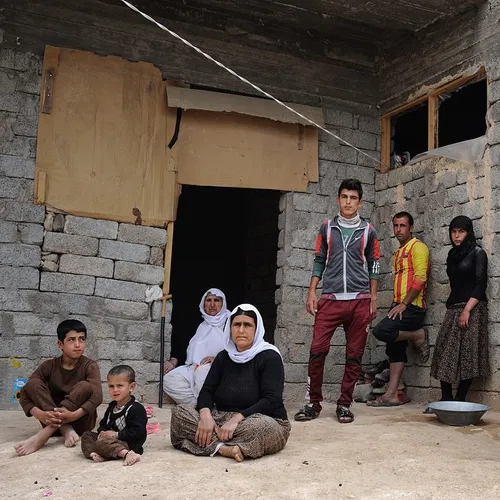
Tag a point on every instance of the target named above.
point(411, 268)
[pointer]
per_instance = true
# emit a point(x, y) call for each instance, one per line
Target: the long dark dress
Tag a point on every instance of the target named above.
point(462, 353)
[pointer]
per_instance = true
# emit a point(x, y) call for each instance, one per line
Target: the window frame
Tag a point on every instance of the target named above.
point(432, 99)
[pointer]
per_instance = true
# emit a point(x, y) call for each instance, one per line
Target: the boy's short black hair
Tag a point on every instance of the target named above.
point(400, 215)
point(126, 370)
point(70, 325)
point(352, 185)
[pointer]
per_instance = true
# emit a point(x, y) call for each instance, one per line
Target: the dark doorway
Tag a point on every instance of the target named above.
point(225, 238)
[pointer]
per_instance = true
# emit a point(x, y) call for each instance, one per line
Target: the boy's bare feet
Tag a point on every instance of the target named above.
point(232, 452)
point(34, 443)
point(70, 436)
point(131, 458)
point(96, 457)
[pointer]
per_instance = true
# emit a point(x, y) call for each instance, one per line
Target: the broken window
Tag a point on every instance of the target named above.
point(462, 114)
point(409, 134)
point(452, 113)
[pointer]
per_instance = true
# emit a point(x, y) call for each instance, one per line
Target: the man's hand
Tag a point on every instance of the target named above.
point(399, 309)
point(373, 309)
point(170, 365)
point(312, 302)
point(48, 418)
point(206, 427)
point(225, 433)
point(64, 415)
point(463, 319)
point(107, 435)
point(207, 360)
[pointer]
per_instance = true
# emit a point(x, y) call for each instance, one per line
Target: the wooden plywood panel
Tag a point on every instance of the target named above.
point(233, 150)
point(102, 143)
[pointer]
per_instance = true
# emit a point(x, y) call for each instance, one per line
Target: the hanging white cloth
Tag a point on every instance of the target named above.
point(259, 344)
point(209, 338)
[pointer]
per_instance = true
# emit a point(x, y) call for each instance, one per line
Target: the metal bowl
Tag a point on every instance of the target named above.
point(458, 413)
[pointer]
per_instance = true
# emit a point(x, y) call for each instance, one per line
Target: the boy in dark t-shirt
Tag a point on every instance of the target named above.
point(122, 431)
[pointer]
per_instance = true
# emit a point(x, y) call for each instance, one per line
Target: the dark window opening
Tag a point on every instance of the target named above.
point(225, 238)
point(410, 132)
point(462, 114)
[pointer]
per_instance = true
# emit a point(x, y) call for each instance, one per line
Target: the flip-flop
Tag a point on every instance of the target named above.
point(153, 427)
point(377, 403)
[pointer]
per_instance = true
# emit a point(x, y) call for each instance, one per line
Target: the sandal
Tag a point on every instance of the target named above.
point(344, 415)
point(307, 412)
point(424, 349)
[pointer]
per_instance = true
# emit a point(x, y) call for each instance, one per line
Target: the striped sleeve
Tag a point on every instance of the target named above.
point(420, 260)
point(372, 254)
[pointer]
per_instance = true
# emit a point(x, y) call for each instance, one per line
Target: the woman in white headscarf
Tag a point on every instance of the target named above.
point(240, 411)
point(183, 384)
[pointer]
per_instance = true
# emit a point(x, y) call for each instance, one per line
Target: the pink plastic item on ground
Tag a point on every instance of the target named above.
point(47, 493)
point(150, 411)
point(153, 427)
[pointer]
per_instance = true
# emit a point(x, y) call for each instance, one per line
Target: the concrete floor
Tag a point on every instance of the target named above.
point(387, 453)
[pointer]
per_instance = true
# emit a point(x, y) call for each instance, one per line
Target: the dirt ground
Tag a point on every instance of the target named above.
point(387, 453)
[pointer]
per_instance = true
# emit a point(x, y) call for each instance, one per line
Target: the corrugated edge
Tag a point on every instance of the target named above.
point(217, 101)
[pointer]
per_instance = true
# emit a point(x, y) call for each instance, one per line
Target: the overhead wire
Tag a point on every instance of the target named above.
point(248, 82)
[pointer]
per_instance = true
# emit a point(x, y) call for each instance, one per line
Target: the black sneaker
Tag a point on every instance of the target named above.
point(307, 412)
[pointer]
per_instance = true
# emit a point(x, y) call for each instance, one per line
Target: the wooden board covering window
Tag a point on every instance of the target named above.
point(235, 150)
point(102, 139)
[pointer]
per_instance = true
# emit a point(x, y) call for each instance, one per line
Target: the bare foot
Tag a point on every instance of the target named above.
point(70, 436)
point(35, 442)
point(385, 400)
point(96, 457)
point(232, 452)
point(131, 458)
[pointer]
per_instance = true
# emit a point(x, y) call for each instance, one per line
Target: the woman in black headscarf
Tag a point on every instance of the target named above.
point(461, 351)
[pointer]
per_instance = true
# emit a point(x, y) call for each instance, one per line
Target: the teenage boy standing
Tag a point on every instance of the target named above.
point(347, 259)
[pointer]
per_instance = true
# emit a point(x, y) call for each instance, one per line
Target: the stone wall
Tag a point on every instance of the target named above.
point(301, 215)
point(434, 191)
point(54, 267)
point(445, 50)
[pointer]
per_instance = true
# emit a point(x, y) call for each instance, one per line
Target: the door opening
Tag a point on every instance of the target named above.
point(225, 238)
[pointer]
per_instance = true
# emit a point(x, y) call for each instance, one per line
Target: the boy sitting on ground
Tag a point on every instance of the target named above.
point(64, 392)
point(122, 431)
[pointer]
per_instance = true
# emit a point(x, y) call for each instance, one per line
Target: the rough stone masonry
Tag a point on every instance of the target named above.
point(55, 266)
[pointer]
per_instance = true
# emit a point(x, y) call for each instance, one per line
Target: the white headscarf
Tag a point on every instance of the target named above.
point(209, 338)
point(259, 344)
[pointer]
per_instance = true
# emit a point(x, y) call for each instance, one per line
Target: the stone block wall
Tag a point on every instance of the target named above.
point(301, 215)
point(55, 266)
point(434, 191)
